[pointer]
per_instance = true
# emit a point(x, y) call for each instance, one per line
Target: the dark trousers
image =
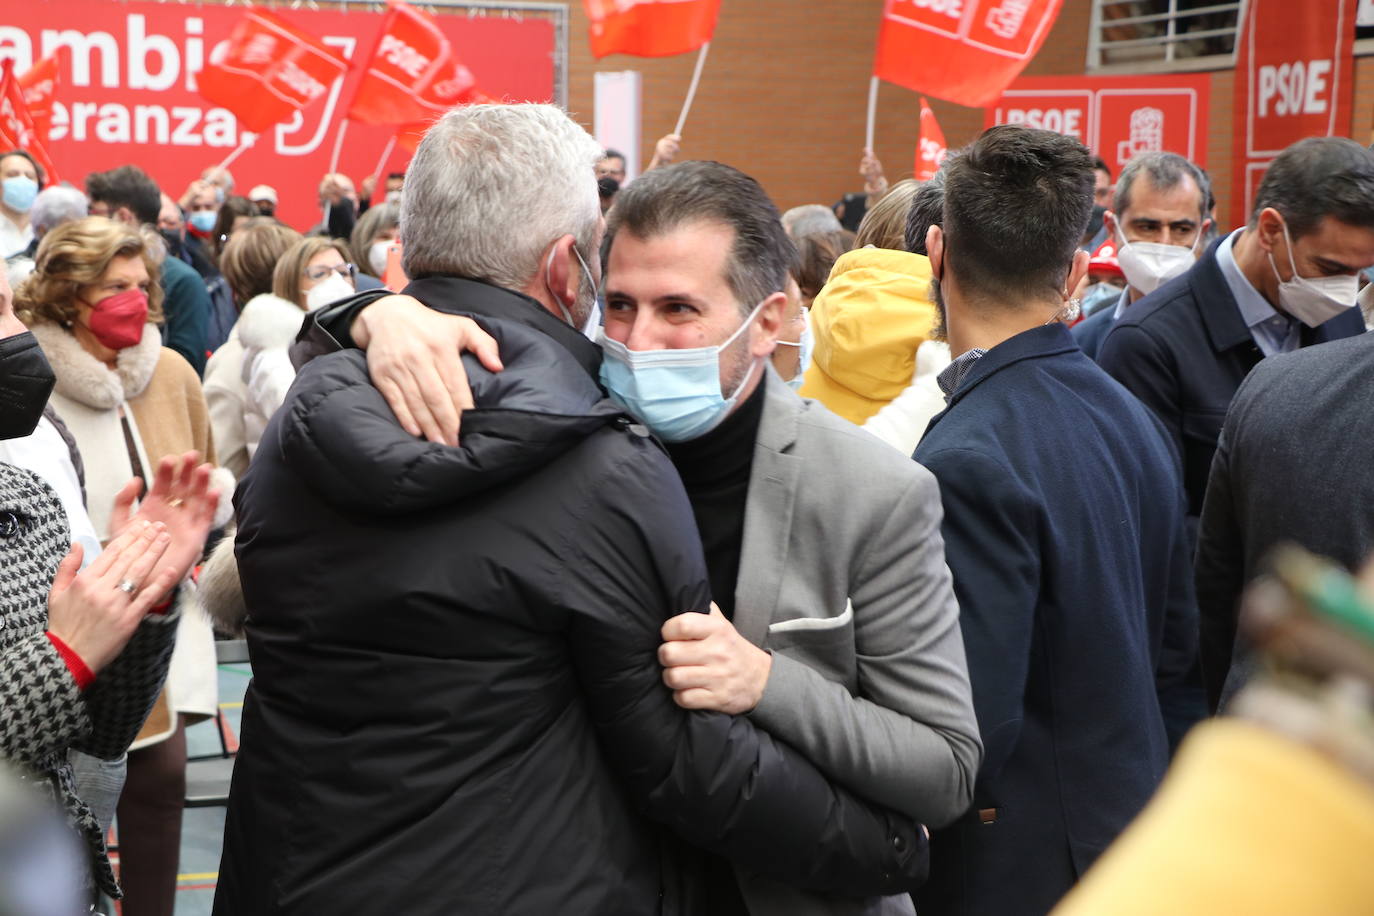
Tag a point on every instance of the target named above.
point(150, 825)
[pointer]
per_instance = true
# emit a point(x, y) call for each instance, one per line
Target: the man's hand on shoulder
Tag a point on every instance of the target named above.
point(414, 355)
point(708, 665)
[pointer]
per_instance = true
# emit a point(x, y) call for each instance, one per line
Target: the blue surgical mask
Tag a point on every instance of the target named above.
point(676, 393)
point(203, 220)
point(19, 192)
point(808, 347)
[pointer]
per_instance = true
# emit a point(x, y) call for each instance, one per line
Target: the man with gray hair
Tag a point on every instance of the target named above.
point(457, 704)
point(1156, 224)
point(51, 208)
point(810, 219)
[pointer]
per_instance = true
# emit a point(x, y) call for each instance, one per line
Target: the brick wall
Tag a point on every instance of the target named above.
point(785, 91)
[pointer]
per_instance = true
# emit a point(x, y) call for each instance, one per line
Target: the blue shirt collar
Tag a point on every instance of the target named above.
point(1254, 308)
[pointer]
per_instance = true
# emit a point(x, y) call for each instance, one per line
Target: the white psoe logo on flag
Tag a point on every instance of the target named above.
point(1006, 18)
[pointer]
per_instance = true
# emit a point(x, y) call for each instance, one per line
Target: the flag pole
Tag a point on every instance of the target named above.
point(872, 111)
point(334, 162)
point(381, 163)
point(246, 142)
point(692, 89)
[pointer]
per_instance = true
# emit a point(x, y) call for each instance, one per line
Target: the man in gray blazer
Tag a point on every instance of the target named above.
point(1292, 464)
point(836, 627)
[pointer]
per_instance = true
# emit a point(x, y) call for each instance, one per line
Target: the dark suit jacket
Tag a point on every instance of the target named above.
point(1184, 350)
point(1293, 464)
point(1076, 604)
point(1091, 331)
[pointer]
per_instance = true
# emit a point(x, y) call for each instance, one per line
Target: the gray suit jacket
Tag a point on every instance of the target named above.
point(843, 577)
point(1292, 464)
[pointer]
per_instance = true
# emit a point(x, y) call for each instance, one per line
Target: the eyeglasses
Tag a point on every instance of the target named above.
point(320, 271)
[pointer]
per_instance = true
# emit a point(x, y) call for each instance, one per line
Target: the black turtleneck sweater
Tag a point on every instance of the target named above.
point(715, 471)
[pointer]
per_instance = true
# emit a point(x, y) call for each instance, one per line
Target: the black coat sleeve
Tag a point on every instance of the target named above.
point(327, 330)
point(717, 781)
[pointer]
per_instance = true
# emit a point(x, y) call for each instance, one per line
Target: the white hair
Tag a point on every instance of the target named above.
point(491, 186)
point(810, 219)
point(55, 206)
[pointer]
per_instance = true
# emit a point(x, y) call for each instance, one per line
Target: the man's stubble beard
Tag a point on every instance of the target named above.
point(941, 330)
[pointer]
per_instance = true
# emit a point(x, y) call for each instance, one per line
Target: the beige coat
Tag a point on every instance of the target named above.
point(161, 394)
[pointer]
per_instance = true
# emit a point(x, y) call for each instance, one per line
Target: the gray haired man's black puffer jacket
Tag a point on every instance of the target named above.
point(457, 704)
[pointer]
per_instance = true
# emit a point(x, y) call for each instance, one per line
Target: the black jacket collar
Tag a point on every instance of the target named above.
point(457, 295)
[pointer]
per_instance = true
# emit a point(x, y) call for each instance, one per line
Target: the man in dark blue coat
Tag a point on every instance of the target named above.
point(1157, 221)
point(1288, 280)
point(1064, 531)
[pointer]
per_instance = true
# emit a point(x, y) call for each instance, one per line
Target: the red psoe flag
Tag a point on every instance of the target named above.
point(39, 84)
point(271, 70)
point(412, 73)
point(16, 127)
point(930, 149)
point(408, 136)
point(963, 51)
point(650, 28)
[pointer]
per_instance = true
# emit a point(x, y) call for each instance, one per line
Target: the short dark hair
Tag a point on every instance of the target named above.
point(1165, 171)
point(1319, 177)
point(37, 169)
point(661, 200)
point(1100, 165)
point(127, 186)
point(1017, 201)
point(927, 209)
point(391, 175)
point(609, 153)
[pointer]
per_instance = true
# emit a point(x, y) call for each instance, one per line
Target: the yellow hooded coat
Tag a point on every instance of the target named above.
point(873, 313)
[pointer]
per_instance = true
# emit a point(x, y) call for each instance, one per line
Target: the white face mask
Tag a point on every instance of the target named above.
point(1313, 300)
point(376, 256)
point(331, 289)
point(1147, 265)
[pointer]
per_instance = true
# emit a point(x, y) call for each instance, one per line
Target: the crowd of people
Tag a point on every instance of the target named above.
point(651, 550)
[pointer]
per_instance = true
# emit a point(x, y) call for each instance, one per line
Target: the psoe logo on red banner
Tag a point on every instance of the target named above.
point(1294, 75)
point(1116, 117)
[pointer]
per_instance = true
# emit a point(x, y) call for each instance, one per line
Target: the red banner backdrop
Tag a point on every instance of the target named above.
point(1294, 79)
point(127, 89)
point(963, 51)
point(1114, 116)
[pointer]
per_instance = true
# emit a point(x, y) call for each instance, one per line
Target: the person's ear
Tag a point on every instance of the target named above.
point(1269, 229)
point(561, 273)
point(935, 249)
point(763, 336)
point(1109, 223)
point(1077, 273)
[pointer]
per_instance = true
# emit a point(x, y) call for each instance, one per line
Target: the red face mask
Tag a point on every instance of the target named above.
point(117, 321)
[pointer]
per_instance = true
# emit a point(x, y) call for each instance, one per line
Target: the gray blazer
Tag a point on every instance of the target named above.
point(1292, 465)
point(843, 577)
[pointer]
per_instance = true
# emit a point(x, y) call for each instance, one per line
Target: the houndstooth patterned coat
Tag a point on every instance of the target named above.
point(44, 713)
